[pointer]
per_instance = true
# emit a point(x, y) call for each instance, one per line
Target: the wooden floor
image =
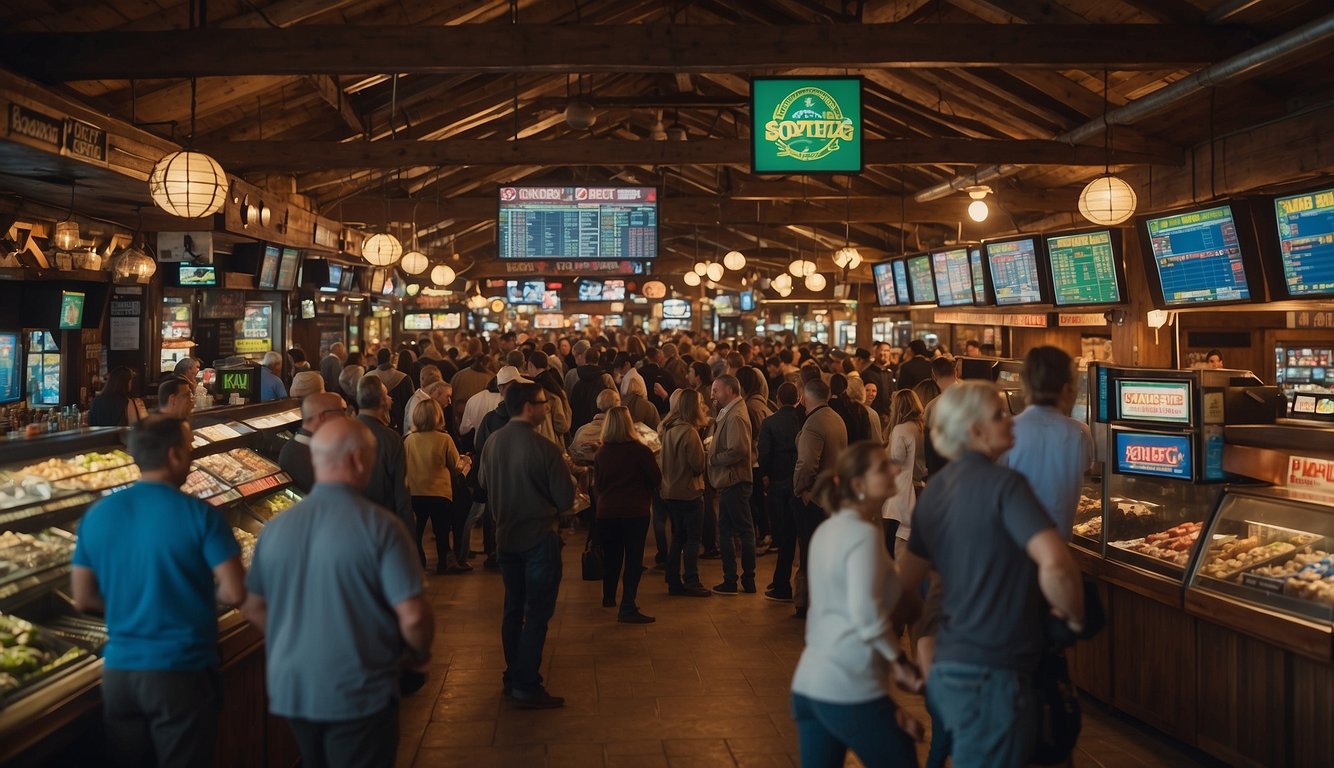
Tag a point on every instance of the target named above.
point(707, 685)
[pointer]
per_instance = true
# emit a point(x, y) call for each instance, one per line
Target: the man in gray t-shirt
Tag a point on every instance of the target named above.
point(336, 588)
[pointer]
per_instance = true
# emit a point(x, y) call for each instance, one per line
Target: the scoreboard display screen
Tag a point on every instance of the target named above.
point(578, 223)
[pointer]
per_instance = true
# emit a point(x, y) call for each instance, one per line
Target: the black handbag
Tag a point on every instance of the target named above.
point(1059, 716)
point(592, 561)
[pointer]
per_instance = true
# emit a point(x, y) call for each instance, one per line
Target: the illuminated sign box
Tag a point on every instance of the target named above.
point(806, 125)
point(1154, 455)
point(1164, 401)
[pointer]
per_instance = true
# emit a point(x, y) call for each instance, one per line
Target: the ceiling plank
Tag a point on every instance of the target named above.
point(290, 156)
point(333, 50)
point(332, 94)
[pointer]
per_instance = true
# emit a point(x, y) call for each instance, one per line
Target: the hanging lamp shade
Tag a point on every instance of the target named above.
point(815, 282)
point(414, 262)
point(735, 261)
point(413, 289)
point(443, 274)
point(381, 249)
point(978, 211)
point(67, 235)
point(188, 184)
point(701, 268)
point(133, 265)
point(1107, 200)
point(692, 279)
point(782, 283)
point(715, 271)
point(847, 258)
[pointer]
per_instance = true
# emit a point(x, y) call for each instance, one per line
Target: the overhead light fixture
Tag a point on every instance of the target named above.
point(67, 236)
point(715, 271)
point(781, 283)
point(659, 133)
point(801, 267)
point(497, 305)
point(1107, 200)
point(579, 114)
point(414, 262)
point(413, 289)
point(381, 249)
point(847, 258)
point(815, 282)
point(443, 274)
point(188, 184)
point(701, 268)
point(676, 131)
point(978, 209)
point(735, 261)
point(133, 265)
point(692, 279)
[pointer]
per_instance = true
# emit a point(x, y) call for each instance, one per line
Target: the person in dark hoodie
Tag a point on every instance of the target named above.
point(590, 380)
point(654, 377)
point(398, 384)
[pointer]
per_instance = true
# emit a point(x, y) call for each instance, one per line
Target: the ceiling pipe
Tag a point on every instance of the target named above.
point(1275, 51)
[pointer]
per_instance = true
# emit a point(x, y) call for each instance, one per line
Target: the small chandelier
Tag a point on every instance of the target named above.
point(735, 261)
point(67, 235)
point(1107, 200)
point(414, 262)
point(847, 257)
point(381, 249)
point(132, 265)
point(443, 274)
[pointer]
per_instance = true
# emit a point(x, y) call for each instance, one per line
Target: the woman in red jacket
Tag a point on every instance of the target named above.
point(626, 475)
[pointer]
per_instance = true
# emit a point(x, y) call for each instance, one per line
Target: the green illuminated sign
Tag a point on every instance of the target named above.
point(806, 125)
point(236, 381)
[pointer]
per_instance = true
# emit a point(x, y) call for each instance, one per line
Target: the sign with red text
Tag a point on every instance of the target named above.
point(1140, 453)
point(1166, 401)
point(1308, 474)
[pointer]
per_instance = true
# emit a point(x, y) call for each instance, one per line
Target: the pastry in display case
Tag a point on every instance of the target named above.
point(268, 507)
point(1155, 525)
point(1089, 514)
point(1272, 548)
point(237, 466)
point(31, 656)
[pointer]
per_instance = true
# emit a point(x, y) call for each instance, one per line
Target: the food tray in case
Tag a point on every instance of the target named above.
point(30, 657)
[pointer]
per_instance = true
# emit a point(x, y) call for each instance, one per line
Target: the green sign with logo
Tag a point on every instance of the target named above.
point(806, 124)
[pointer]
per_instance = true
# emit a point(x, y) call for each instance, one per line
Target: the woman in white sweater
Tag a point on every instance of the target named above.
point(905, 445)
point(840, 691)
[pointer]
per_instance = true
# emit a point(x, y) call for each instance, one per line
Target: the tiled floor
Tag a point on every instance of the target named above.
point(707, 685)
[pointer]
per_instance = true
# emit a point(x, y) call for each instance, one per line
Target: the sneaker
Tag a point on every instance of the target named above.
point(726, 588)
point(748, 587)
point(710, 554)
point(778, 597)
point(635, 618)
point(537, 700)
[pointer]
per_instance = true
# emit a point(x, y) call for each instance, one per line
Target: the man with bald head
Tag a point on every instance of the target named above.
point(336, 588)
point(295, 455)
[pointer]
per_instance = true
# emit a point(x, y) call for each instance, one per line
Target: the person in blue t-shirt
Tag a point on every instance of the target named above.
point(147, 558)
point(271, 385)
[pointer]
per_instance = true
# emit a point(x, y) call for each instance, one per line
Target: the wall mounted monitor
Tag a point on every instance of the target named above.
point(197, 275)
point(335, 274)
point(551, 300)
point(675, 309)
point(548, 321)
point(1086, 267)
point(901, 281)
point(529, 292)
point(71, 310)
point(1166, 401)
point(288, 267)
point(1154, 454)
point(417, 321)
point(588, 289)
point(727, 305)
point(578, 223)
point(747, 301)
point(349, 279)
point(1201, 256)
point(307, 309)
point(446, 321)
point(981, 288)
point(11, 378)
point(883, 275)
point(1015, 267)
point(921, 284)
point(1298, 238)
point(268, 268)
point(953, 275)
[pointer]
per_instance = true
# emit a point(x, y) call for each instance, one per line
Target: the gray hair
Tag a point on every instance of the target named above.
point(958, 409)
point(608, 399)
point(635, 386)
point(856, 390)
point(436, 387)
point(350, 377)
point(271, 358)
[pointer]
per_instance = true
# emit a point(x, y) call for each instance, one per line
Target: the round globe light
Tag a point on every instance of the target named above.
point(414, 262)
point(701, 268)
point(442, 274)
point(734, 260)
point(1107, 200)
point(497, 305)
point(795, 268)
point(715, 271)
point(381, 249)
point(782, 283)
point(815, 282)
point(978, 210)
point(188, 184)
point(692, 279)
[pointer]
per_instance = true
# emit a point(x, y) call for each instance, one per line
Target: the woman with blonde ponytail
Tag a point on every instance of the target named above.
point(840, 691)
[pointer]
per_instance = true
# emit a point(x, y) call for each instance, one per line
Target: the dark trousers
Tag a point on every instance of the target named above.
point(437, 510)
point(459, 510)
point(826, 732)
point(891, 528)
point(783, 517)
point(660, 518)
point(687, 518)
point(758, 512)
point(808, 517)
point(167, 717)
point(622, 540)
point(532, 581)
point(709, 528)
point(734, 523)
point(367, 742)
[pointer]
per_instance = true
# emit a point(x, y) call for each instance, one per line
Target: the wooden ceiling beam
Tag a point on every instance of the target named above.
point(331, 93)
point(337, 50)
point(299, 156)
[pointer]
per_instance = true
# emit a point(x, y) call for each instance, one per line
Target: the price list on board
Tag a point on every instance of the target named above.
point(1014, 272)
point(1198, 256)
point(578, 223)
point(1083, 268)
point(1306, 242)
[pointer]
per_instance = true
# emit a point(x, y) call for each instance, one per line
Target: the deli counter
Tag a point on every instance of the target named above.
point(50, 655)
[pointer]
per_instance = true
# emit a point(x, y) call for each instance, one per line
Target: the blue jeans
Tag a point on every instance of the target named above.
point(826, 732)
point(532, 580)
point(991, 714)
point(734, 522)
point(687, 518)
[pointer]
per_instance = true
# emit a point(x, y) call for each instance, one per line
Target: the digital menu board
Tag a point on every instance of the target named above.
point(979, 276)
point(1153, 454)
point(1298, 366)
point(954, 277)
point(268, 268)
point(10, 349)
point(883, 274)
point(578, 223)
point(1085, 268)
point(417, 321)
point(288, 267)
point(1305, 230)
point(901, 281)
point(1196, 257)
point(920, 282)
point(675, 309)
point(1014, 271)
point(196, 275)
point(550, 300)
point(1165, 401)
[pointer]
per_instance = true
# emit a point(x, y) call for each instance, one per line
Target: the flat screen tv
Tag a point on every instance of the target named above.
point(307, 309)
point(348, 281)
point(1297, 235)
point(900, 269)
point(588, 290)
point(197, 275)
point(1201, 256)
point(921, 284)
point(288, 267)
point(954, 277)
point(883, 275)
point(525, 291)
point(578, 223)
point(981, 288)
point(335, 278)
point(417, 321)
point(446, 321)
point(71, 310)
point(1085, 267)
point(268, 268)
point(727, 305)
point(11, 380)
point(675, 309)
point(1014, 264)
point(747, 301)
point(550, 300)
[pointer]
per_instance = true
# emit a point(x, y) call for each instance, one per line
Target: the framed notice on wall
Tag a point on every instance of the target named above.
point(806, 125)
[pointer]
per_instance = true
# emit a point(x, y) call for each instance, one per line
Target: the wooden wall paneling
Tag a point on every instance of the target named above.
point(1241, 697)
point(1312, 711)
point(1024, 339)
point(1134, 343)
point(1254, 357)
point(1154, 658)
point(1091, 660)
point(241, 728)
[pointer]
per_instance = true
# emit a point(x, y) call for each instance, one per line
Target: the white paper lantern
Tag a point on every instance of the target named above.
point(815, 282)
point(188, 184)
point(847, 258)
point(978, 211)
point(381, 249)
point(692, 279)
point(782, 283)
point(715, 271)
point(701, 268)
point(414, 262)
point(443, 274)
point(1107, 200)
point(734, 260)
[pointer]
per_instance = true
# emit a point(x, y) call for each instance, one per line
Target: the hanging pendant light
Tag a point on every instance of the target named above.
point(847, 258)
point(443, 274)
point(382, 249)
point(782, 283)
point(692, 279)
point(188, 184)
point(715, 271)
point(67, 236)
point(815, 282)
point(701, 268)
point(133, 265)
point(978, 210)
point(1107, 200)
point(414, 262)
point(735, 261)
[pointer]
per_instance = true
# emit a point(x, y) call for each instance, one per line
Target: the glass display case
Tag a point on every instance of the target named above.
point(1155, 524)
point(1088, 512)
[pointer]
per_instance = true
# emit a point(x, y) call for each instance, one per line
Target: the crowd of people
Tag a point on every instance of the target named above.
point(899, 502)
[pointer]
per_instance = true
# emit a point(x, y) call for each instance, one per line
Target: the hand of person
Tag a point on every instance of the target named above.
point(659, 390)
point(465, 464)
point(910, 725)
point(906, 675)
point(1076, 625)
